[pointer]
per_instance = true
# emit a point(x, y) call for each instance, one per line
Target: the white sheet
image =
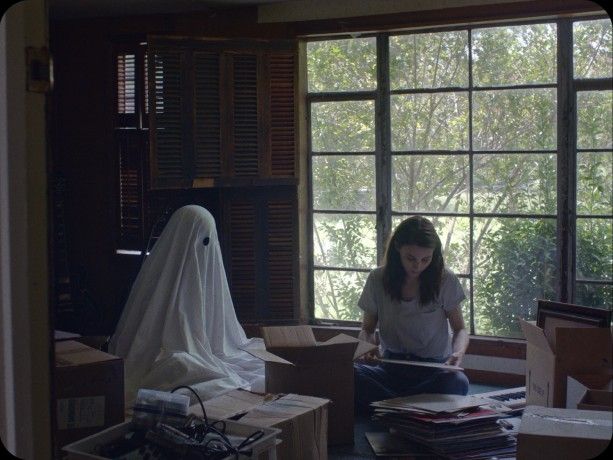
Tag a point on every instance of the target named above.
point(179, 326)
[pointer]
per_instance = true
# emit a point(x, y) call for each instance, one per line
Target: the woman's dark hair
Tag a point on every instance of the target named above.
point(418, 231)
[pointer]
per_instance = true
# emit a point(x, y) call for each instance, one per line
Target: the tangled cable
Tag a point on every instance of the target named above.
point(218, 445)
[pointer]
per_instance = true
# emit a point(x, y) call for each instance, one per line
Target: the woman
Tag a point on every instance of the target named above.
point(414, 300)
point(178, 326)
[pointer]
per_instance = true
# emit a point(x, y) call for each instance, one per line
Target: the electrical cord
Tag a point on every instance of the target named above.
point(197, 429)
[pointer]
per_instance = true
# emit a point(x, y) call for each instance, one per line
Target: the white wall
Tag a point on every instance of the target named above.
point(24, 311)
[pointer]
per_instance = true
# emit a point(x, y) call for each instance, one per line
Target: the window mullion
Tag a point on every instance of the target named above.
point(567, 164)
point(383, 155)
point(471, 211)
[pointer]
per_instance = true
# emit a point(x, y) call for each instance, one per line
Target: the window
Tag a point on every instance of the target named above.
point(468, 127)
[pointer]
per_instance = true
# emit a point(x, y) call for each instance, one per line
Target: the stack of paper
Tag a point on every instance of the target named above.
point(451, 426)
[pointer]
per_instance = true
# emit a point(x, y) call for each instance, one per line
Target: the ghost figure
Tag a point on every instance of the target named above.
point(179, 326)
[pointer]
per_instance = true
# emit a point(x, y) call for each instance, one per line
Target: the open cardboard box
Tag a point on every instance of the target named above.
point(590, 391)
point(297, 363)
point(89, 448)
point(553, 433)
point(567, 350)
point(303, 420)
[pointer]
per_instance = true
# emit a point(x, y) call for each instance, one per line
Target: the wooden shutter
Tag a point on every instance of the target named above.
point(130, 143)
point(207, 124)
point(262, 256)
point(125, 68)
point(244, 109)
point(221, 112)
point(242, 252)
point(282, 259)
point(169, 127)
point(131, 147)
point(282, 114)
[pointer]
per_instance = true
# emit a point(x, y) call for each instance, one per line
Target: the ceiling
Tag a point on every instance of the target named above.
point(68, 9)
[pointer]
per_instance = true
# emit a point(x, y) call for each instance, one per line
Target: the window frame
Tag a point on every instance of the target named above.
point(567, 88)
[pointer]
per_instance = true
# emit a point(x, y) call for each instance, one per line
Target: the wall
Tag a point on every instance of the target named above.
point(25, 420)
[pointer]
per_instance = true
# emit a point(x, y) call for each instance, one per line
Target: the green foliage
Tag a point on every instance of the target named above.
point(514, 259)
point(514, 266)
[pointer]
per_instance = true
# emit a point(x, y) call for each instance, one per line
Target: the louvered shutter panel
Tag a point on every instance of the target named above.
point(282, 114)
point(167, 125)
point(207, 134)
point(126, 88)
point(282, 259)
point(245, 115)
point(132, 147)
point(242, 263)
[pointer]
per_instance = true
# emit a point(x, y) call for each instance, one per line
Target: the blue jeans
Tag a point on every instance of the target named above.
point(385, 380)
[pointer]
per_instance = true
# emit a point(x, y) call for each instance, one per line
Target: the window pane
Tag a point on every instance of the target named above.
point(594, 125)
point(337, 294)
point(594, 249)
point(515, 263)
point(344, 240)
point(465, 306)
point(342, 65)
point(592, 49)
point(594, 183)
point(343, 126)
point(455, 238)
point(514, 119)
point(514, 55)
point(344, 182)
point(430, 183)
point(594, 295)
point(429, 121)
point(515, 183)
point(431, 60)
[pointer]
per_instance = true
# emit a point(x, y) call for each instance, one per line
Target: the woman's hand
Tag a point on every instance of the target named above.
point(370, 337)
point(455, 358)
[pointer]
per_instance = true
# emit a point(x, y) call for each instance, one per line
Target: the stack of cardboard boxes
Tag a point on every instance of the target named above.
point(568, 393)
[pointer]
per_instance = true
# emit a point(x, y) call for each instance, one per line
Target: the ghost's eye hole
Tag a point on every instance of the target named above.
point(205, 241)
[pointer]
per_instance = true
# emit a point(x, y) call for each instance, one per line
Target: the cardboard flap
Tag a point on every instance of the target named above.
point(313, 355)
point(584, 349)
point(362, 348)
point(601, 381)
point(288, 336)
point(267, 356)
point(230, 404)
point(72, 353)
point(287, 407)
point(534, 335)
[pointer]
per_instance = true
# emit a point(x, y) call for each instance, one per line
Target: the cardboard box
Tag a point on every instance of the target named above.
point(549, 360)
point(589, 391)
point(89, 391)
point(88, 448)
point(596, 400)
point(297, 363)
point(303, 420)
point(552, 433)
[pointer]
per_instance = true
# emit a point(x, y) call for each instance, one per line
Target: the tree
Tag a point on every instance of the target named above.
point(512, 134)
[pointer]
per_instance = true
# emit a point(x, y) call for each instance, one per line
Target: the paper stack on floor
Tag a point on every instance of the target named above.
point(451, 426)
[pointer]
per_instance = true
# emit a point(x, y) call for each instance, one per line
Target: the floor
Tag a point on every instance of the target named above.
point(361, 448)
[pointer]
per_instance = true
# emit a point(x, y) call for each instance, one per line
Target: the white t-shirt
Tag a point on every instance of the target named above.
point(407, 326)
